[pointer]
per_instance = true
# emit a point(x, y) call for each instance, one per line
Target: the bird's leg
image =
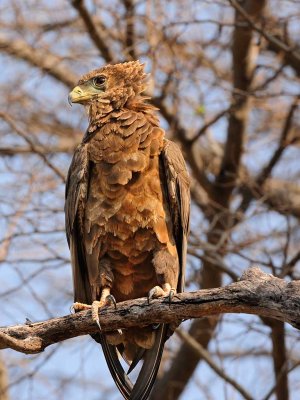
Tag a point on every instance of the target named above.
point(101, 282)
point(165, 262)
point(105, 299)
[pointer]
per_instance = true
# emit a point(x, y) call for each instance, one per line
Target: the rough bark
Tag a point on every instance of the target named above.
point(256, 293)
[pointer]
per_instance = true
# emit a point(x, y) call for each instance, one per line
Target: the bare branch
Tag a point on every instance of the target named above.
point(92, 30)
point(204, 354)
point(130, 33)
point(279, 357)
point(45, 61)
point(256, 293)
point(32, 145)
point(283, 143)
point(272, 39)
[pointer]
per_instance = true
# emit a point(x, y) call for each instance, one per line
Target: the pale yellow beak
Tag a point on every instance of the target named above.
point(83, 93)
point(78, 95)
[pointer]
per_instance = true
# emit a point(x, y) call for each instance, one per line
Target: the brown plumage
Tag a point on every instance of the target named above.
point(127, 212)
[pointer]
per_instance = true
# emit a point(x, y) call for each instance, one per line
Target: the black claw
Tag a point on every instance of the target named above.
point(151, 294)
point(28, 322)
point(149, 298)
point(111, 300)
point(155, 326)
point(98, 323)
point(171, 295)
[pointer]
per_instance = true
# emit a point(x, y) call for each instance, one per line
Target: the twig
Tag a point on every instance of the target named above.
point(272, 39)
point(32, 145)
point(92, 30)
point(204, 354)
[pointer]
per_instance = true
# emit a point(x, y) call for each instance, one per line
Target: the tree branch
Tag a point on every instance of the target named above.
point(204, 354)
point(45, 61)
point(274, 41)
point(92, 30)
point(280, 361)
point(9, 120)
point(256, 293)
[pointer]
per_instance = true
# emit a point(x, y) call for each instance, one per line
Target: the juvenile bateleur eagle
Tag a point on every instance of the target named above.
point(127, 215)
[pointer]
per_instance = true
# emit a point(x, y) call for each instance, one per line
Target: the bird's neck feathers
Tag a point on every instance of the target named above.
point(101, 110)
point(139, 104)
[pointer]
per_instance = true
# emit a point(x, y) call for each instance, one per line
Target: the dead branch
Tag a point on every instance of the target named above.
point(256, 293)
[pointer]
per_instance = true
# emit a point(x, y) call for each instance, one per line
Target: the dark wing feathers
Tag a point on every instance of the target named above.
point(177, 188)
point(76, 193)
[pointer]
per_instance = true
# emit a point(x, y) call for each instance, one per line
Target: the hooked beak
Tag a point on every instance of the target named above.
point(84, 93)
point(77, 95)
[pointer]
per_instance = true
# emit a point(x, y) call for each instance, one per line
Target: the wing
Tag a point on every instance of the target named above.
point(76, 194)
point(177, 189)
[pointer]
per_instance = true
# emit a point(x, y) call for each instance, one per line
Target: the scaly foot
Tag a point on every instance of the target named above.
point(165, 291)
point(105, 299)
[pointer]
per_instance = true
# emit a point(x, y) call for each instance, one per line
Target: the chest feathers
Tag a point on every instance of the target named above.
point(125, 193)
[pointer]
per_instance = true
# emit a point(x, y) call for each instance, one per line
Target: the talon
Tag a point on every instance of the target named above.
point(171, 295)
point(165, 291)
point(98, 323)
point(155, 326)
point(150, 295)
point(110, 299)
point(95, 312)
point(154, 293)
point(28, 322)
point(105, 299)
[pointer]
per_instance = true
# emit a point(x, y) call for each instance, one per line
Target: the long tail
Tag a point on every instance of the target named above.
point(146, 378)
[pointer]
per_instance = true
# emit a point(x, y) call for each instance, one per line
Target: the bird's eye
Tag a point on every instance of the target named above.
point(99, 81)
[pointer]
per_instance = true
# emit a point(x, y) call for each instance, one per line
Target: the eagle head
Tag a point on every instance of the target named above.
point(110, 87)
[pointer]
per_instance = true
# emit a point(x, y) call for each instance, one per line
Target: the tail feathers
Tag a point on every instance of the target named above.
point(147, 375)
point(146, 378)
point(139, 355)
point(121, 379)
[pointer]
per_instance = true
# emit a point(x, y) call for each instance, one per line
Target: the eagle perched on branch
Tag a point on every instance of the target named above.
point(127, 215)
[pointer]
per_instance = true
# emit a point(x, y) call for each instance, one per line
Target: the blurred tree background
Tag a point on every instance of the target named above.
point(225, 76)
